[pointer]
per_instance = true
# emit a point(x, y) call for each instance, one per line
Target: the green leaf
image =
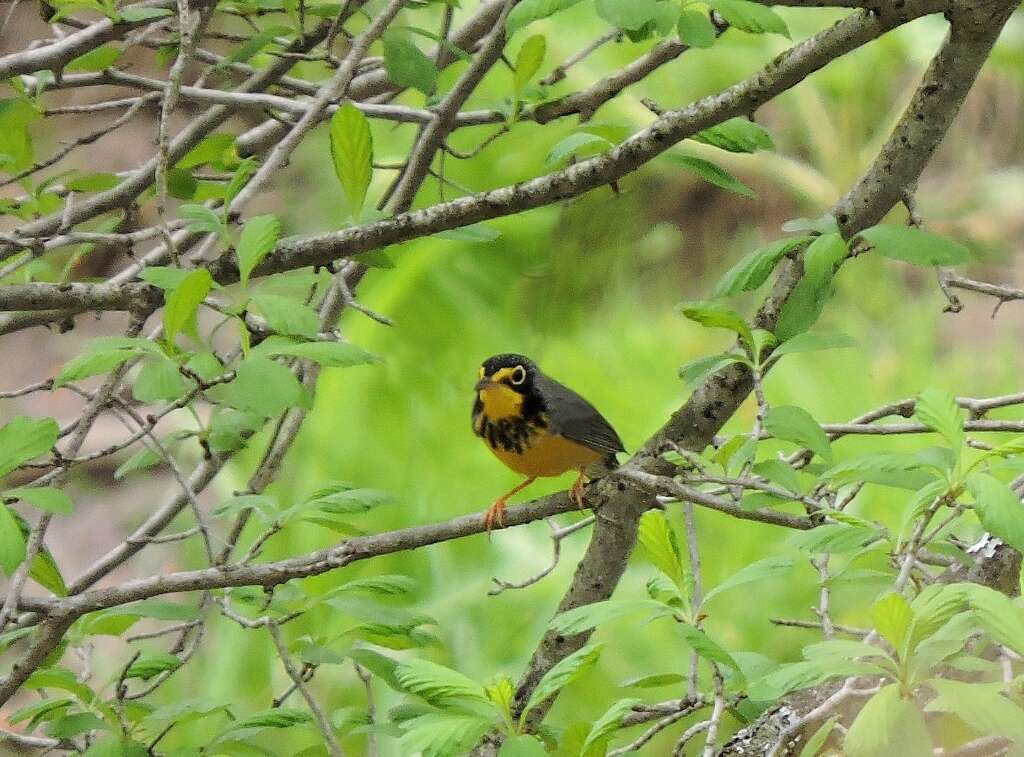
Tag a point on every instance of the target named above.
point(44, 497)
point(24, 438)
point(183, 304)
point(660, 545)
point(695, 371)
point(751, 17)
point(352, 153)
point(442, 734)
point(38, 711)
point(342, 499)
point(578, 144)
point(264, 505)
point(716, 315)
point(902, 470)
point(608, 723)
point(476, 232)
point(256, 43)
point(803, 674)
point(780, 473)
point(158, 610)
point(12, 542)
point(833, 538)
point(808, 298)
point(93, 182)
point(217, 149)
point(712, 173)
point(654, 681)
point(695, 29)
point(152, 664)
point(406, 65)
point(628, 15)
point(585, 617)
point(528, 62)
point(288, 316)
point(998, 615)
point(893, 617)
point(97, 59)
point(769, 567)
point(202, 219)
point(60, 678)
point(523, 745)
point(794, 424)
point(113, 745)
point(914, 245)
point(565, 671)
point(259, 236)
point(261, 386)
point(736, 135)
point(814, 341)
point(164, 277)
point(144, 458)
point(437, 684)
point(999, 508)
point(704, 646)
point(160, 380)
point(528, 11)
point(328, 354)
point(135, 13)
point(938, 410)
point(91, 364)
point(279, 717)
point(754, 269)
point(982, 706)
point(817, 741)
point(888, 725)
point(239, 179)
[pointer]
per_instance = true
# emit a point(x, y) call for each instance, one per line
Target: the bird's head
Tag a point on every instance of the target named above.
point(504, 381)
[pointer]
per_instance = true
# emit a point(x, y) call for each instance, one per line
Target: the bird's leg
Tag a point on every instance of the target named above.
point(576, 492)
point(493, 514)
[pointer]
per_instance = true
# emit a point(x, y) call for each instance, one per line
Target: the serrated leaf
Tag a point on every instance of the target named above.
point(981, 705)
point(279, 717)
point(914, 245)
point(183, 303)
point(44, 497)
point(707, 648)
point(888, 725)
point(585, 617)
point(442, 734)
point(352, 153)
point(562, 674)
point(259, 236)
point(150, 664)
point(998, 615)
point(999, 508)
point(939, 411)
point(327, 354)
point(833, 538)
point(736, 135)
point(893, 616)
point(579, 144)
point(695, 371)
point(406, 65)
point(716, 315)
point(712, 173)
point(695, 29)
point(528, 11)
point(288, 316)
point(751, 17)
point(769, 567)
point(438, 684)
point(23, 438)
point(201, 219)
point(754, 269)
point(794, 424)
point(808, 298)
point(897, 469)
point(528, 62)
point(660, 545)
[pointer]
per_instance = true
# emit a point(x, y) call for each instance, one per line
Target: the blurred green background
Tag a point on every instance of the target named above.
point(587, 289)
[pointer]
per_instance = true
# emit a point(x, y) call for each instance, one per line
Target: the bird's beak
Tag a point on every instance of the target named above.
point(483, 383)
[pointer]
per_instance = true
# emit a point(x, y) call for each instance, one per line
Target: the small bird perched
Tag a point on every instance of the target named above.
point(538, 427)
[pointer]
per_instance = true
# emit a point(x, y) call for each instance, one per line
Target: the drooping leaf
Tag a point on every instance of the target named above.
point(352, 153)
point(442, 734)
point(12, 542)
point(696, 370)
point(736, 135)
point(999, 508)
point(438, 684)
point(695, 29)
point(716, 315)
point(585, 617)
point(982, 706)
point(998, 615)
point(751, 17)
point(406, 65)
point(808, 298)
point(44, 497)
point(259, 236)
point(96, 59)
point(660, 545)
point(327, 354)
point(528, 11)
point(288, 315)
point(769, 567)
point(712, 173)
point(578, 144)
point(608, 723)
point(914, 245)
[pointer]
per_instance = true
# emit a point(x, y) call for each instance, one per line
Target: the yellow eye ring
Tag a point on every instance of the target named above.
point(518, 375)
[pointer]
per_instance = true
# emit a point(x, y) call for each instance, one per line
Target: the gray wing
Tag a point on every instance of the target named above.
point(575, 418)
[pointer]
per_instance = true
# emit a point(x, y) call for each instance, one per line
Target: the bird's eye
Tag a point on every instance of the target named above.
point(518, 375)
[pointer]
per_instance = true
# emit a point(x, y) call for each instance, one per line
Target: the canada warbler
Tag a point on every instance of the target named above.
point(538, 427)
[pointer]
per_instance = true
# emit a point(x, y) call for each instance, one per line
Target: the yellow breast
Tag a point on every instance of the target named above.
point(547, 455)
